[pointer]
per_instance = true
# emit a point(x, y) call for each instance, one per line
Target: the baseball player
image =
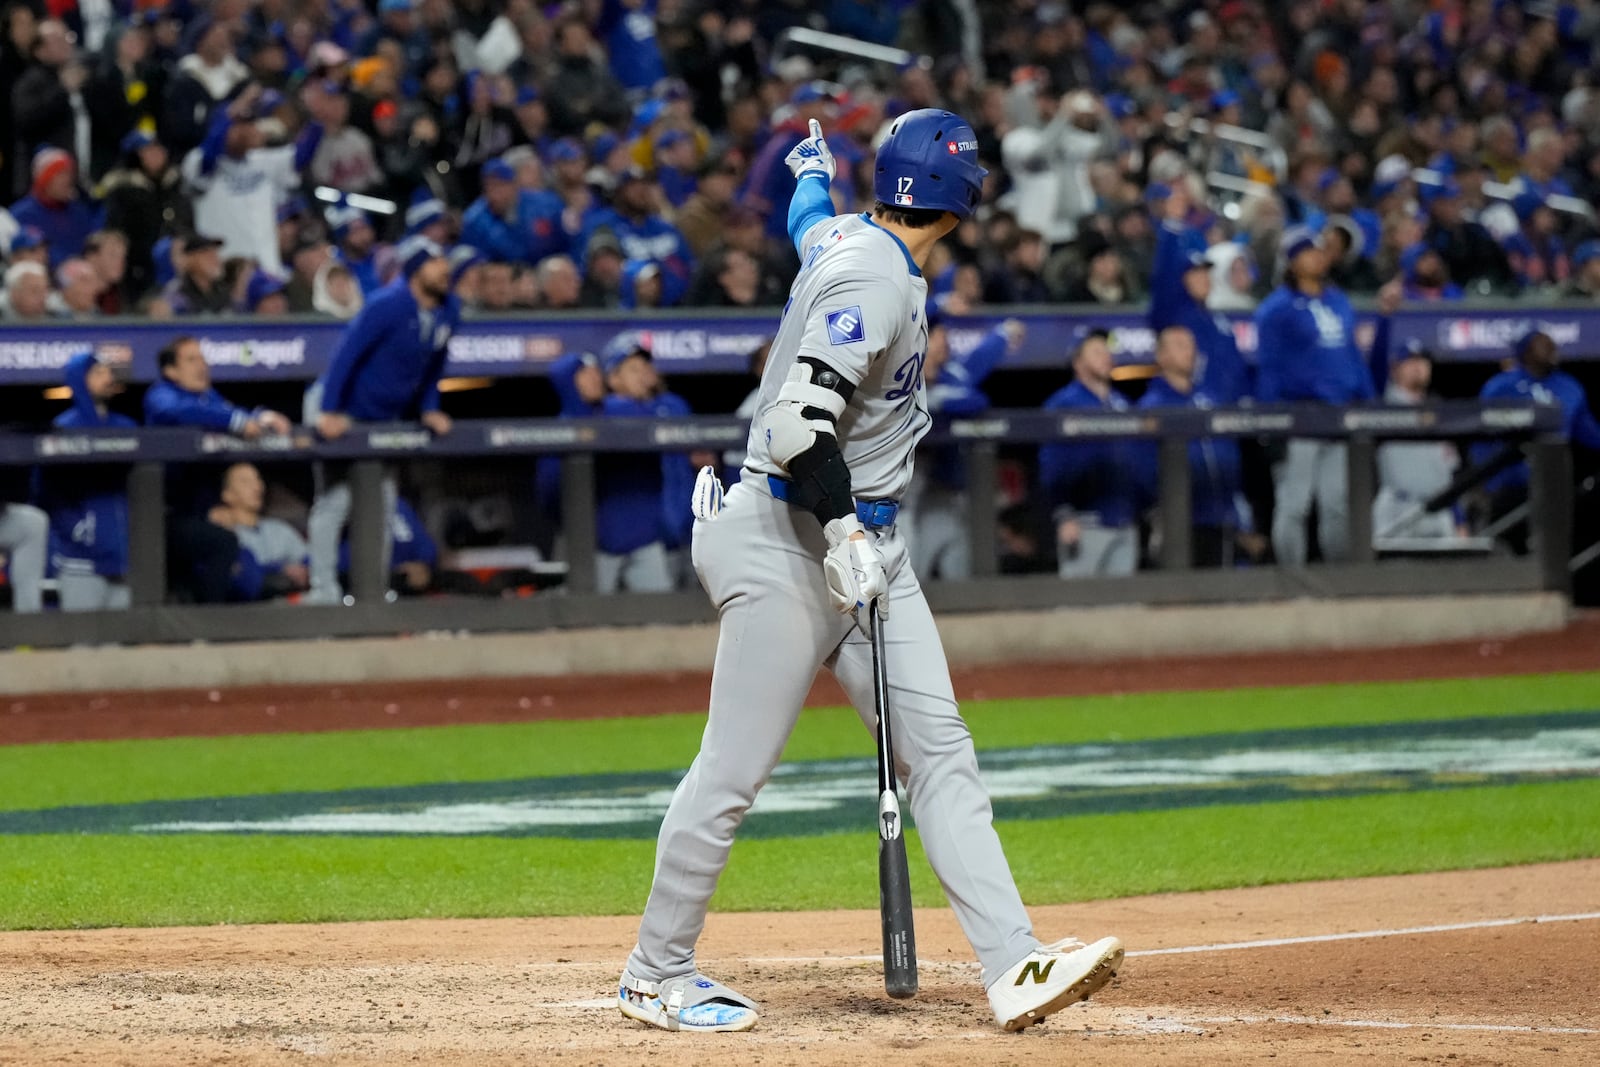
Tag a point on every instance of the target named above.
point(386, 367)
point(799, 550)
point(1306, 353)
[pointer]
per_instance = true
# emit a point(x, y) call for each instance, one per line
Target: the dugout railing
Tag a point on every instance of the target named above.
point(147, 452)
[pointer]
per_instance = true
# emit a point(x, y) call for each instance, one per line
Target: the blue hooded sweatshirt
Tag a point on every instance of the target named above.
point(1215, 474)
point(1220, 370)
point(1091, 477)
point(88, 505)
point(1559, 388)
point(389, 360)
point(1306, 349)
point(630, 490)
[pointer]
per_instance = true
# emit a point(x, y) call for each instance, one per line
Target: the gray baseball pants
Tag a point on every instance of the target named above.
point(644, 570)
point(25, 536)
point(761, 563)
point(1310, 470)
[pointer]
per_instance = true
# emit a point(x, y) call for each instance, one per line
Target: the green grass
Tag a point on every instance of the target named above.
point(50, 882)
point(127, 880)
point(112, 772)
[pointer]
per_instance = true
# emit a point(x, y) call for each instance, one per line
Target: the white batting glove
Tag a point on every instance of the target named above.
point(707, 500)
point(811, 156)
point(853, 569)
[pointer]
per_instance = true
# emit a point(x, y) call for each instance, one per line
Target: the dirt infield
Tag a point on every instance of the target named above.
point(539, 990)
point(1437, 968)
point(300, 708)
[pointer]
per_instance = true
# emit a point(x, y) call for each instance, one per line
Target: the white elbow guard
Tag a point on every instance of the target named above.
point(806, 407)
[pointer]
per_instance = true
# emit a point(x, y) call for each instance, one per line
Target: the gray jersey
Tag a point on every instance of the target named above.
point(273, 542)
point(858, 306)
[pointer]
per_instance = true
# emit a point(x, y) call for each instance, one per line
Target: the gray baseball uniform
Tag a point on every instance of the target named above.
point(857, 305)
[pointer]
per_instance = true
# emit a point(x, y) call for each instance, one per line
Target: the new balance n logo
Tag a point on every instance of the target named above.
point(1040, 973)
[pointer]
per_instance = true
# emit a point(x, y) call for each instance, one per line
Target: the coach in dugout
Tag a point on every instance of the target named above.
point(200, 554)
point(88, 504)
point(1306, 353)
point(1537, 377)
point(386, 369)
point(1092, 487)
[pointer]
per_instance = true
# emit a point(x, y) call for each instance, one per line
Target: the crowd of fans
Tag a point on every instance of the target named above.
point(186, 159)
point(224, 156)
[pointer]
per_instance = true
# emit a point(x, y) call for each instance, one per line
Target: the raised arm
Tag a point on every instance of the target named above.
point(813, 168)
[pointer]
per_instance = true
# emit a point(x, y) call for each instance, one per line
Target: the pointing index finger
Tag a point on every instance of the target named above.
point(816, 129)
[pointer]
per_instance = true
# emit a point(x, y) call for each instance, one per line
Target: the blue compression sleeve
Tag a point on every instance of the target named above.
point(809, 206)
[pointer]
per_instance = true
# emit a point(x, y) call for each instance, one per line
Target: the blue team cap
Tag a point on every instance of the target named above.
point(1525, 204)
point(269, 101)
point(499, 170)
point(810, 92)
point(1156, 192)
point(414, 251)
point(462, 259)
point(1296, 239)
point(565, 150)
point(341, 218)
point(136, 140)
point(1121, 105)
point(622, 346)
point(1445, 190)
point(647, 113)
point(1327, 180)
point(292, 208)
point(386, 6)
point(262, 284)
point(527, 94)
point(424, 212)
point(669, 138)
point(1223, 98)
point(604, 144)
point(25, 239)
point(1585, 252)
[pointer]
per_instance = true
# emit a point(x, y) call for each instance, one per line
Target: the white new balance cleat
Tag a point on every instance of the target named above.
point(690, 1002)
point(1053, 977)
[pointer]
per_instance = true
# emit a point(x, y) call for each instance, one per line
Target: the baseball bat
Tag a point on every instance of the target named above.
point(894, 879)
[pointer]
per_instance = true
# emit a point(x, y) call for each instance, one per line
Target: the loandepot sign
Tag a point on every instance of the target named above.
point(836, 795)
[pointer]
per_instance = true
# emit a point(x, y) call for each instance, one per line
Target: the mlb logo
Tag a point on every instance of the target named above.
point(902, 199)
point(950, 146)
point(845, 326)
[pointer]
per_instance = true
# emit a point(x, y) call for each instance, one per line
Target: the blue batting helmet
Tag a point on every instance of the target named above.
point(930, 162)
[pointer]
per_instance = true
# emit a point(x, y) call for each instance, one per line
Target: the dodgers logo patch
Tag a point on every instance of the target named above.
point(845, 326)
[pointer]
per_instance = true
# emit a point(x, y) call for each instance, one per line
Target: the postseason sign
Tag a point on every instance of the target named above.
point(249, 349)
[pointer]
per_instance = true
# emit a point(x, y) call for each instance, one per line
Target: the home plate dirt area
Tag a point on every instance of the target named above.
point(1468, 968)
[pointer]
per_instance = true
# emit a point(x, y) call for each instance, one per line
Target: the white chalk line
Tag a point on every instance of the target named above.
point(1231, 946)
point(1313, 939)
point(1370, 1024)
